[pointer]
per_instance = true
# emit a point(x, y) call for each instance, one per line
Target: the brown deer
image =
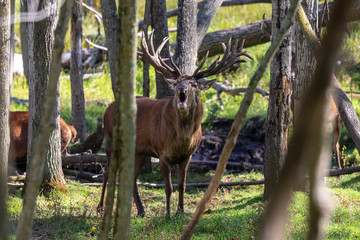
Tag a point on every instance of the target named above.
point(19, 135)
point(169, 128)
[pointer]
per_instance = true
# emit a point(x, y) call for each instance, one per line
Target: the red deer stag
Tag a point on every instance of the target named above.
point(169, 128)
point(19, 135)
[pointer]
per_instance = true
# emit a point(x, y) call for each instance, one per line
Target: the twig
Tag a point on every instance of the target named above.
point(97, 46)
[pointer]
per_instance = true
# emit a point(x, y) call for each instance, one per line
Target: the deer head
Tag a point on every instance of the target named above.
point(187, 87)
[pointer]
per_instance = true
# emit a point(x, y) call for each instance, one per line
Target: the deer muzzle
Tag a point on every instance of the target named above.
point(182, 99)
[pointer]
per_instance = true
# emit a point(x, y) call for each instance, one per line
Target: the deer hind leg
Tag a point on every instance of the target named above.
point(100, 207)
point(182, 170)
point(139, 163)
point(337, 125)
point(166, 173)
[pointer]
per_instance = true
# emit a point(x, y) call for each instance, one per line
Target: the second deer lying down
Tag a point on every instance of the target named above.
point(19, 135)
point(169, 128)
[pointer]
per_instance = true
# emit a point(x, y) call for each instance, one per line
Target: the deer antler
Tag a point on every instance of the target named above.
point(147, 53)
point(230, 61)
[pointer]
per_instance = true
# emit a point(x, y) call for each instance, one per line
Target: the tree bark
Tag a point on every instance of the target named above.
point(186, 40)
point(123, 153)
point(40, 45)
point(278, 115)
point(48, 122)
point(24, 39)
point(76, 73)
point(109, 13)
point(5, 55)
point(160, 27)
point(12, 43)
point(124, 135)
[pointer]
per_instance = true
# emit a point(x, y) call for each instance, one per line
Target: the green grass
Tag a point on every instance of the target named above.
point(233, 213)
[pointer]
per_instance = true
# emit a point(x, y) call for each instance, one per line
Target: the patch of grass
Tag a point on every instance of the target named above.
point(233, 212)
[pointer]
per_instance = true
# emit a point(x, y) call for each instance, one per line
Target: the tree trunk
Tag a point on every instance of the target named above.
point(186, 40)
point(5, 54)
point(76, 74)
point(24, 39)
point(305, 61)
point(40, 46)
point(205, 15)
point(12, 43)
point(124, 120)
point(46, 127)
point(146, 67)
point(278, 115)
point(305, 64)
point(109, 13)
point(160, 27)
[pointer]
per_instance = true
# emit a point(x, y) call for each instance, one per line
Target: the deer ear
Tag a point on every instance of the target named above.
point(205, 84)
point(171, 82)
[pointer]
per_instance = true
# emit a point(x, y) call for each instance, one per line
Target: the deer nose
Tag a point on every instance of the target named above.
point(182, 89)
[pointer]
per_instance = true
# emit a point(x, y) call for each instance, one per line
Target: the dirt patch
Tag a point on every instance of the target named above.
point(248, 152)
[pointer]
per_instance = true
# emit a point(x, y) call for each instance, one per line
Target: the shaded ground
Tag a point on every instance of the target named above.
point(248, 152)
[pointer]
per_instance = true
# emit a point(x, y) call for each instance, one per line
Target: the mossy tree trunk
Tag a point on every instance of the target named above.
point(4, 109)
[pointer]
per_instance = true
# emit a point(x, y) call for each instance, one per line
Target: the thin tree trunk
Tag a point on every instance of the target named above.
point(47, 124)
point(278, 115)
point(146, 66)
point(76, 73)
point(12, 43)
point(239, 119)
point(125, 115)
point(109, 13)
point(160, 27)
point(5, 55)
point(24, 39)
point(306, 143)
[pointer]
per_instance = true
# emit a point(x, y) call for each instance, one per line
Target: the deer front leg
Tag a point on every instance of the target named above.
point(166, 173)
point(182, 170)
point(139, 163)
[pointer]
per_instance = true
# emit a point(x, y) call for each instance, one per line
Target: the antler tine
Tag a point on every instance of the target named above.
point(173, 63)
point(201, 64)
point(230, 61)
point(148, 53)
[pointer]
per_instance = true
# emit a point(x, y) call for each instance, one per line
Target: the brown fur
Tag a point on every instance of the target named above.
point(336, 121)
point(166, 131)
point(19, 135)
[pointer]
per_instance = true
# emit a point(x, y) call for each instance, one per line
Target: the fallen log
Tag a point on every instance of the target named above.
point(175, 12)
point(339, 172)
point(202, 184)
point(83, 158)
point(84, 175)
